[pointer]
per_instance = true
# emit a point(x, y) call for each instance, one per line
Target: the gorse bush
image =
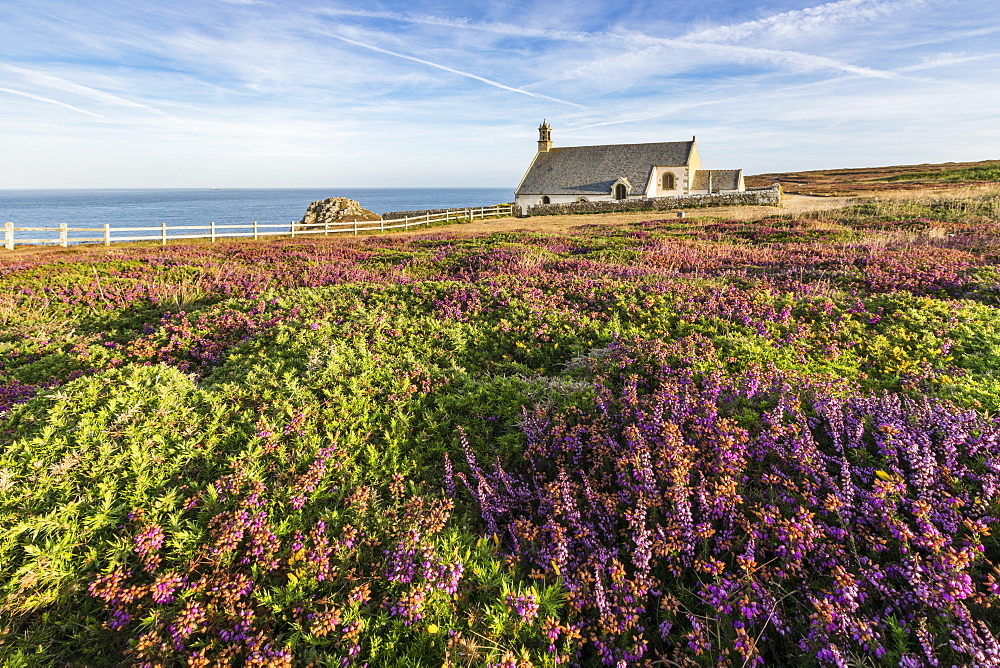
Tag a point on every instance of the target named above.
point(667, 443)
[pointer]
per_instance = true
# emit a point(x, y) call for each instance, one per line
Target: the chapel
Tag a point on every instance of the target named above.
point(618, 172)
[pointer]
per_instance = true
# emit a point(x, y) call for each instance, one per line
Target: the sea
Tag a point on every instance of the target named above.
point(224, 206)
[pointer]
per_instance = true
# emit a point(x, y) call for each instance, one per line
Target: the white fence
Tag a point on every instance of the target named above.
point(254, 230)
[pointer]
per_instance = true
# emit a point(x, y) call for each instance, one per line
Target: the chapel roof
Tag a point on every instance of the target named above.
point(592, 170)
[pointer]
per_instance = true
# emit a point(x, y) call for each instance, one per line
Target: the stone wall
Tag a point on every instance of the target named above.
point(396, 215)
point(769, 196)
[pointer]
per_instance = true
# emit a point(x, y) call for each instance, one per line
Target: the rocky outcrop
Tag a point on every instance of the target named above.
point(336, 210)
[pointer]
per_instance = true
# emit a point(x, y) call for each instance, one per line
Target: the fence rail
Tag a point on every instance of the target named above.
point(255, 230)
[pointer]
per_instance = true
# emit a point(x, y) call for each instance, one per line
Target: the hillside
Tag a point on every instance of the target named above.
point(662, 442)
point(872, 180)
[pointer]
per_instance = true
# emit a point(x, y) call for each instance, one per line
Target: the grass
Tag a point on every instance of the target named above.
point(685, 441)
point(989, 172)
point(879, 181)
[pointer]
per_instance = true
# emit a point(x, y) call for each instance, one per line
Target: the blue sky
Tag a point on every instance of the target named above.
point(251, 93)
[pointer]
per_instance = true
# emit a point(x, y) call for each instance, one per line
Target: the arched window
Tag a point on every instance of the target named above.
point(581, 199)
point(620, 192)
point(668, 181)
point(545, 199)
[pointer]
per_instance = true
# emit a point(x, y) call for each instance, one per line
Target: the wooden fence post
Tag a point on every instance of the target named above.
point(212, 226)
point(255, 229)
point(381, 224)
point(292, 224)
point(326, 228)
point(355, 227)
point(9, 235)
point(107, 234)
point(163, 234)
point(63, 235)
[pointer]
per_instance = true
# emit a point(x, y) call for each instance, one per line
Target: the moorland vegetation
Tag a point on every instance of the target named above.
point(675, 442)
point(873, 181)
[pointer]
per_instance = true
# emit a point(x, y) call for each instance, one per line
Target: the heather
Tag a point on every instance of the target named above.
point(987, 172)
point(677, 442)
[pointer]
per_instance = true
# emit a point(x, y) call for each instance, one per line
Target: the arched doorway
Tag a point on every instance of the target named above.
point(545, 199)
point(620, 192)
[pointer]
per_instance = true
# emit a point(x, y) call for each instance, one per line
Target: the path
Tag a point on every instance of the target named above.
point(791, 204)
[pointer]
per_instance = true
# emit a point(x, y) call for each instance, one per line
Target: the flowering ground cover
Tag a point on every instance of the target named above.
point(683, 442)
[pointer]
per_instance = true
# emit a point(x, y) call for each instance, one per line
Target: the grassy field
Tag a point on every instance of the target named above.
point(873, 180)
point(668, 443)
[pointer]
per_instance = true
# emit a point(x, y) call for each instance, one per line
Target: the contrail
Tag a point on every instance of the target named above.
point(702, 40)
point(72, 87)
point(452, 70)
point(508, 29)
point(794, 59)
point(51, 101)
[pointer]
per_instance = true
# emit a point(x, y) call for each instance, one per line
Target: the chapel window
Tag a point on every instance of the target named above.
point(545, 199)
point(668, 181)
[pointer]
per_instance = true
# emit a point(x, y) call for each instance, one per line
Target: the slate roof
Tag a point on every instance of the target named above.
point(722, 179)
point(592, 170)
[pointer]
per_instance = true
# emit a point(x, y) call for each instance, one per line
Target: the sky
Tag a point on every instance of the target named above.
point(284, 94)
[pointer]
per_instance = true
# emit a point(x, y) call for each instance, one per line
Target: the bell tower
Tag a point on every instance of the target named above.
point(544, 137)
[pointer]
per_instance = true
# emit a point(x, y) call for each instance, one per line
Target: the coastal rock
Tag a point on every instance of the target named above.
point(336, 210)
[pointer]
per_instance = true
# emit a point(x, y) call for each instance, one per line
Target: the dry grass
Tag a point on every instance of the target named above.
point(867, 181)
point(983, 199)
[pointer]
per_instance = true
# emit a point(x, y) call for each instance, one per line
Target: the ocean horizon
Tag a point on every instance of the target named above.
point(151, 207)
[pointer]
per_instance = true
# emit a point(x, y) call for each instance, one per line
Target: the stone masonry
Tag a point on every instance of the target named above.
point(769, 196)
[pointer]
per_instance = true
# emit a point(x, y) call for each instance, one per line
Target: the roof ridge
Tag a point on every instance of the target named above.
point(644, 143)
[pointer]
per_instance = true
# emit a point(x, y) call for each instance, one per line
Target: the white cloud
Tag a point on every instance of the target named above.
point(667, 56)
point(945, 60)
point(275, 94)
point(804, 24)
point(498, 28)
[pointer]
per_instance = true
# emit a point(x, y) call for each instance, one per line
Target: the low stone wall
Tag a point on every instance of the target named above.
point(769, 196)
point(396, 215)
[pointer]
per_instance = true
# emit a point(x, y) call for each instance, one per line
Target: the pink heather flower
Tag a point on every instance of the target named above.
point(525, 605)
point(147, 543)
